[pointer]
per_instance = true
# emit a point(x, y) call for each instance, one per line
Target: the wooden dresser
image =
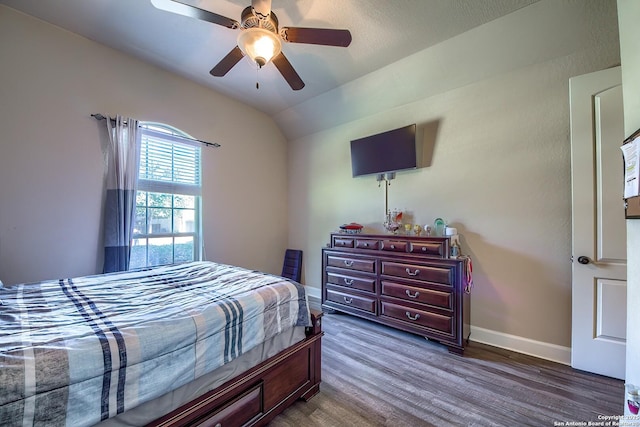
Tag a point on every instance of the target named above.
point(407, 282)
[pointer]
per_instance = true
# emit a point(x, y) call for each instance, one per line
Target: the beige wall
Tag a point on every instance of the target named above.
point(51, 163)
point(628, 15)
point(500, 170)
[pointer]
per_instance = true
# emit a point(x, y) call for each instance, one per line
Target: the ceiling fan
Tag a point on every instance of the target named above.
point(260, 38)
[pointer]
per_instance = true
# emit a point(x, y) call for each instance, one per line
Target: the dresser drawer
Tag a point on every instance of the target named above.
point(436, 274)
point(367, 265)
point(438, 249)
point(237, 412)
point(425, 296)
point(362, 283)
point(349, 300)
point(439, 322)
point(343, 242)
point(367, 244)
point(394, 245)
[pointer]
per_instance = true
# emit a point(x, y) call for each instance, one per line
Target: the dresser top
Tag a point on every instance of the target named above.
point(388, 236)
point(386, 243)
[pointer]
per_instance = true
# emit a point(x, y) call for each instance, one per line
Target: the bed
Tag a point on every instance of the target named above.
point(197, 343)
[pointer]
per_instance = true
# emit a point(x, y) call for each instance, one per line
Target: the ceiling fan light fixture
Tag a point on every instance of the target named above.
point(259, 44)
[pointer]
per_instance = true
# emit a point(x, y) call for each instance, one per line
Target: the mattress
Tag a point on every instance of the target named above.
point(80, 351)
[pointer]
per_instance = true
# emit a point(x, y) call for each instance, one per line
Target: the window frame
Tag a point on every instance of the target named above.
point(172, 188)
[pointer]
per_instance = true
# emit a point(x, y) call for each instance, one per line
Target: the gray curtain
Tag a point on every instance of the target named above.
point(123, 160)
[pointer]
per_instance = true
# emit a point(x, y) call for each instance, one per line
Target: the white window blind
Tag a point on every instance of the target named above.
point(169, 163)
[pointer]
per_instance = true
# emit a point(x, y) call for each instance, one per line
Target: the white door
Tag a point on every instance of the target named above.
point(599, 279)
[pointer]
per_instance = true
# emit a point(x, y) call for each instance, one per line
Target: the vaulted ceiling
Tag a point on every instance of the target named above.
point(383, 32)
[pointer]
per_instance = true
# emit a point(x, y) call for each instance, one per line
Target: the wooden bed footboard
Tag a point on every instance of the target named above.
point(257, 396)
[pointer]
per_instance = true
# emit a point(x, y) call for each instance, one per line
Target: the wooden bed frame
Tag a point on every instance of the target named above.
point(257, 396)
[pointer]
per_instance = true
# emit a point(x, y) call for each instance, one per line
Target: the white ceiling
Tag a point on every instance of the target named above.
point(383, 32)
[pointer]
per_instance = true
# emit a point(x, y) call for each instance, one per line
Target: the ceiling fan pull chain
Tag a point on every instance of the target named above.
point(257, 81)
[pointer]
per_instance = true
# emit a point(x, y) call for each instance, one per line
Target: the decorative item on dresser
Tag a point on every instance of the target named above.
point(407, 282)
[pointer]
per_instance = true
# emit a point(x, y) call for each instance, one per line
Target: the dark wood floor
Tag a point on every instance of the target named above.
point(377, 376)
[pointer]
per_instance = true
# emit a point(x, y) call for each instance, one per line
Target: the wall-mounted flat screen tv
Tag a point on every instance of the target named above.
point(389, 151)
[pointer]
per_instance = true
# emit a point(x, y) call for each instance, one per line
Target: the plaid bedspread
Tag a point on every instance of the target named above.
point(77, 351)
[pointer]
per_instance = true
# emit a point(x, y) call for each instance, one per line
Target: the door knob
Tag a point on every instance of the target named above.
point(584, 260)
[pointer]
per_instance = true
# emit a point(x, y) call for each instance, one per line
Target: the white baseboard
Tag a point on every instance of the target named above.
point(313, 292)
point(314, 297)
point(553, 352)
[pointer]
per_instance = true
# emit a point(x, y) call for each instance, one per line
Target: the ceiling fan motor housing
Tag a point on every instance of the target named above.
point(251, 20)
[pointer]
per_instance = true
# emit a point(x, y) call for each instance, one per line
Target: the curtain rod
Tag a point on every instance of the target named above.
point(111, 119)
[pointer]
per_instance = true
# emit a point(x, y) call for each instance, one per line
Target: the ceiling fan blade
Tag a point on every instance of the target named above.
point(286, 69)
point(227, 62)
point(323, 36)
point(261, 8)
point(184, 9)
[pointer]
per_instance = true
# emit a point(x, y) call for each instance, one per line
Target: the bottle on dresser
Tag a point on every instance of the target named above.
point(454, 241)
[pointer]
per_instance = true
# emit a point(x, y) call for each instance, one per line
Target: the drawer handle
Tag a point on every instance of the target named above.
point(366, 245)
point(408, 292)
point(348, 263)
point(348, 281)
point(424, 249)
point(410, 317)
point(415, 273)
point(348, 300)
point(393, 246)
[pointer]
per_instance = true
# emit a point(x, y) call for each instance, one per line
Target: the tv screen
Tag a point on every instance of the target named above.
point(389, 151)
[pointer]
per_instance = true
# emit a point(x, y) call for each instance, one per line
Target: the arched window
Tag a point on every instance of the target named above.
point(167, 228)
